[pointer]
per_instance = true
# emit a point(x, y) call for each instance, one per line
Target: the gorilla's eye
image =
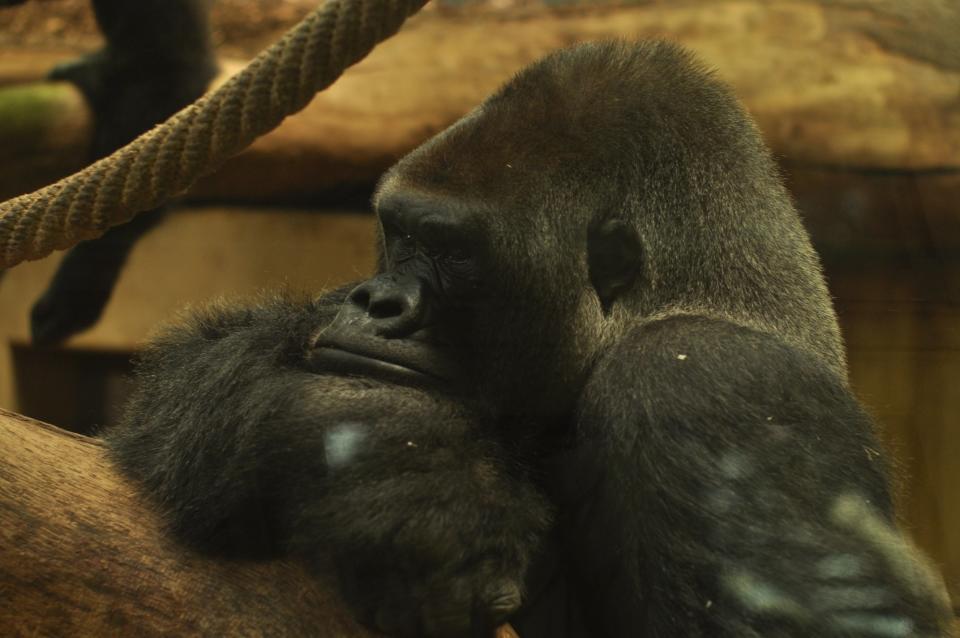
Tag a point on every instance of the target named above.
point(402, 247)
point(458, 254)
point(433, 252)
point(459, 267)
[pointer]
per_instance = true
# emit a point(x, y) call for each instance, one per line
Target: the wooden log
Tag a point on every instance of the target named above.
point(81, 554)
point(831, 83)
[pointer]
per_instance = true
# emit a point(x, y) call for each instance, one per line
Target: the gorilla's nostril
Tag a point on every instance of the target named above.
point(388, 305)
point(360, 297)
point(385, 308)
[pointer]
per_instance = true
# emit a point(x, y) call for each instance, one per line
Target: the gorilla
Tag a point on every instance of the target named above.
point(157, 59)
point(596, 388)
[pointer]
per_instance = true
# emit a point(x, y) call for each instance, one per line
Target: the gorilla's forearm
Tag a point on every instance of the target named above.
point(427, 519)
point(210, 393)
point(726, 505)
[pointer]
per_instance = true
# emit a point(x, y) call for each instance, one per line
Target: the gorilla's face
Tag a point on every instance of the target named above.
point(468, 305)
point(499, 265)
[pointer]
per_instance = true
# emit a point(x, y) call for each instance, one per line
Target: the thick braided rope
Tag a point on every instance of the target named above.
point(168, 159)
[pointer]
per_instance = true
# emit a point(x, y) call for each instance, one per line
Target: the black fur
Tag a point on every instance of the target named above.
point(253, 453)
point(737, 449)
point(157, 59)
point(596, 288)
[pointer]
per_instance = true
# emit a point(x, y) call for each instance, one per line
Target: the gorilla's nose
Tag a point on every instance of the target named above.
point(389, 305)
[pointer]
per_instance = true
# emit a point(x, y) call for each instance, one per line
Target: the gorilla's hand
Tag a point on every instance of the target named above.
point(431, 536)
point(449, 602)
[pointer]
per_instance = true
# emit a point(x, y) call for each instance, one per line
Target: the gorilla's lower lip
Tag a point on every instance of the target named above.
point(328, 359)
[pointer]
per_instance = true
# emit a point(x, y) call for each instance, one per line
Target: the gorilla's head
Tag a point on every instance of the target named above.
point(606, 185)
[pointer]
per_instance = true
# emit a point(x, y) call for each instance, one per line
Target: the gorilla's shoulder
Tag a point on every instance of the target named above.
point(695, 365)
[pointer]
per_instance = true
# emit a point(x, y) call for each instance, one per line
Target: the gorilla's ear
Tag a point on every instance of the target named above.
point(614, 258)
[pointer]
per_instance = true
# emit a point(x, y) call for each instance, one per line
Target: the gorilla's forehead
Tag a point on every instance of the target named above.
point(398, 196)
point(548, 133)
point(589, 118)
point(479, 170)
point(485, 156)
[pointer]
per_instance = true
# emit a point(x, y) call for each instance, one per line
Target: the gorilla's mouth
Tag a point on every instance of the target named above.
point(393, 360)
point(336, 360)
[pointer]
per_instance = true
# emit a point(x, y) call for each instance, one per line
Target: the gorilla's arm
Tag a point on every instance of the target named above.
point(429, 524)
point(157, 59)
point(210, 394)
point(728, 485)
